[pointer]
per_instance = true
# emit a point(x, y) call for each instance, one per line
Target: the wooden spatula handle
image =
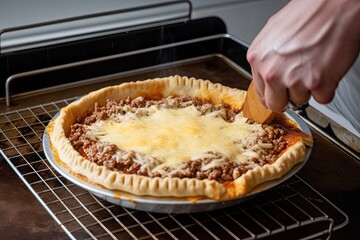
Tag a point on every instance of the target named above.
point(253, 108)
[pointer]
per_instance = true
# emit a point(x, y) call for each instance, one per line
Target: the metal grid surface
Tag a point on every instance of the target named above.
point(291, 209)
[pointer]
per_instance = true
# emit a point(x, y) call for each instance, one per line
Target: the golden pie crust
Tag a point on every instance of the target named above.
point(165, 187)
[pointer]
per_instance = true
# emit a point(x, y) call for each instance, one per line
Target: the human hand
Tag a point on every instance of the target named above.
point(304, 50)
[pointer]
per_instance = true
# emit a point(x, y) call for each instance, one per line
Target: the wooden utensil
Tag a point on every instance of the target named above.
point(253, 108)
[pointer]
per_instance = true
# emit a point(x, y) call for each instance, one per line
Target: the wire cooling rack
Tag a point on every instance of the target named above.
point(293, 209)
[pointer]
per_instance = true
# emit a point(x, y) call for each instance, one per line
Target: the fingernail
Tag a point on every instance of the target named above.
point(286, 107)
point(262, 102)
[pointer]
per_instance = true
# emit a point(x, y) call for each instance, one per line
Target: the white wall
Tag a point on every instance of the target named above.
point(244, 18)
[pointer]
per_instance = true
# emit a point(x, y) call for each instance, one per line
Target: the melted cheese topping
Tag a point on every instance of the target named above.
point(176, 135)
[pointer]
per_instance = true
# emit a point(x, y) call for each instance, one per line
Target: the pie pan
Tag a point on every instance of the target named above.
point(170, 204)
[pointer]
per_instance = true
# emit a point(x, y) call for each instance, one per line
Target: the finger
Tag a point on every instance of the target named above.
point(299, 94)
point(323, 97)
point(324, 92)
point(276, 97)
point(259, 86)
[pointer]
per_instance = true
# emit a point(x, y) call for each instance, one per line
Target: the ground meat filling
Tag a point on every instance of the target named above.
point(108, 155)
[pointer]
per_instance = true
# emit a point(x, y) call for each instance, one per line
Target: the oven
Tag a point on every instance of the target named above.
point(43, 72)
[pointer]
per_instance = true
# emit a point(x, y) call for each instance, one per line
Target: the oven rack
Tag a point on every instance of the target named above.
point(293, 209)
